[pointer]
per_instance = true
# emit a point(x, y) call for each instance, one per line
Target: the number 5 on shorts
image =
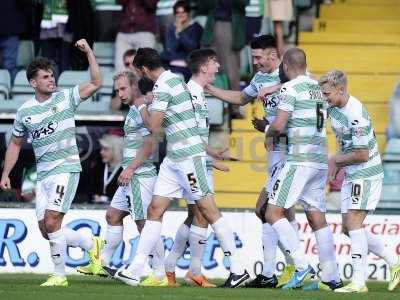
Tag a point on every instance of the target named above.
point(193, 182)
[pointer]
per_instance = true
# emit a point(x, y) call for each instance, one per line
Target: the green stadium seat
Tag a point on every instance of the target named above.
point(69, 79)
point(93, 107)
point(12, 105)
point(104, 93)
point(25, 54)
point(104, 52)
point(5, 84)
point(21, 88)
point(392, 151)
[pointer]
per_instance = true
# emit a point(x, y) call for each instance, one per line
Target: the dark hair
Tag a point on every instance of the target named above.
point(295, 58)
point(184, 4)
point(199, 57)
point(147, 57)
point(130, 52)
point(40, 63)
point(263, 42)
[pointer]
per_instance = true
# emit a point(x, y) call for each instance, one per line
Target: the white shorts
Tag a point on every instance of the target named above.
point(362, 194)
point(55, 192)
point(301, 184)
point(273, 174)
point(136, 197)
point(184, 178)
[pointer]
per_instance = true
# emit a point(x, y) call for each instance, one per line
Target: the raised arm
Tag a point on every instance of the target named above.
point(87, 89)
point(11, 158)
point(229, 96)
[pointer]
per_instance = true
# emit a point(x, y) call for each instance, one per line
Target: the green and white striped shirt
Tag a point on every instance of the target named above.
point(171, 96)
point(165, 7)
point(135, 132)
point(202, 115)
point(50, 126)
point(353, 129)
point(302, 99)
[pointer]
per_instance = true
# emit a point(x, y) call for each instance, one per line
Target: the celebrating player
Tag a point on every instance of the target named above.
point(361, 189)
point(204, 65)
point(265, 85)
point(136, 182)
point(182, 172)
point(303, 177)
point(48, 122)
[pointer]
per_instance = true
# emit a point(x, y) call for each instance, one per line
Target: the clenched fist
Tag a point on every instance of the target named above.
point(83, 45)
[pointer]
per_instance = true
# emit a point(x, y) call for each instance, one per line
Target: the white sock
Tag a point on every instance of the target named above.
point(197, 241)
point(288, 258)
point(227, 241)
point(326, 254)
point(148, 239)
point(288, 238)
point(58, 247)
point(269, 242)
point(178, 248)
point(157, 260)
point(377, 247)
point(112, 239)
point(359, 251)
point(77, 239)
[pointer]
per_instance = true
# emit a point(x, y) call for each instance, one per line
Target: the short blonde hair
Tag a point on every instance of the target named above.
point(132, 78)
point(334, 78)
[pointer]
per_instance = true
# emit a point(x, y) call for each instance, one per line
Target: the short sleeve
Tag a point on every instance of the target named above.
point(287, 99)
point(250, 91)
point(360, 129)
point(161, 99)
point(74, 97)
point(19, 129)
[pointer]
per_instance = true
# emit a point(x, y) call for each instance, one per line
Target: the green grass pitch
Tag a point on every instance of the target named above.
point(26, 286)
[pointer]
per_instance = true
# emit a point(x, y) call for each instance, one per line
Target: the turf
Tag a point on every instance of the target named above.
point(26, 286)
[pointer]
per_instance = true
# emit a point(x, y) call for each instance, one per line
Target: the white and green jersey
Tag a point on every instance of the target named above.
point(135, 132)
point(202, 114)
point(302, 99)
point(50, 126)
point(171, 96)
point(353, 130)
point(270, 105)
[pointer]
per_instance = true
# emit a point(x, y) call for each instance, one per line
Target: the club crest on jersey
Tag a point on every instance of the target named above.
point(27, 120)
point(54, 109)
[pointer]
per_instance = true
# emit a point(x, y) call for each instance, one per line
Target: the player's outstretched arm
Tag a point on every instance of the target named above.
point(87, 89)
point(141, 156)
point(11, 158)
point(229, 96)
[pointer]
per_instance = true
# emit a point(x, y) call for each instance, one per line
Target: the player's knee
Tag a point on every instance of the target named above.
point(263, 212)
point(51, 224)
point(199, 220)
point(154, 213)
point(112, 219)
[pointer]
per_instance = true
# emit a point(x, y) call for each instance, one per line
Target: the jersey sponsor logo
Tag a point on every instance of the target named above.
point(271, 101)
point(44, 131)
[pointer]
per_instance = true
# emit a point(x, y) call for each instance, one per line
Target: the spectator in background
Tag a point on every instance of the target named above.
point(137, 27)
point(253, 19)
point(145, 85)
point(165, 16)
point(12, 24)
point(225, 31)
point(279, 11)
point(182, 37)
point(55, 41)
point(105, 177)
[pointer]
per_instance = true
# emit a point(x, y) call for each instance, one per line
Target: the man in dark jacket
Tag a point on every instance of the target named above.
point(12, 24)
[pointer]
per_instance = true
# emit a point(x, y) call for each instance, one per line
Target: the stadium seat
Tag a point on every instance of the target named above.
point(104, 93)
point(21, 88)
point(69, 79)
point(12, 105)
point(353, 59)
point(252, 174)
point(216, 110)
point(26, 53)
point(104, 52)
point(93, 107)
point(5, 84)
point(357, 26)
point(341, 38)
point(392, 151)
point(356, 12)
